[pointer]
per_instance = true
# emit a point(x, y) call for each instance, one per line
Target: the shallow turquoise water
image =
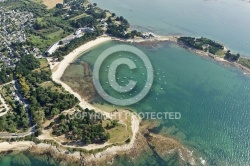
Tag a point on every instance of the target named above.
point(25, 159)
point(226, 21)
point(213, 100)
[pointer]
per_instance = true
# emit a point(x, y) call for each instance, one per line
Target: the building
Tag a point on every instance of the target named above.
point(53, 48)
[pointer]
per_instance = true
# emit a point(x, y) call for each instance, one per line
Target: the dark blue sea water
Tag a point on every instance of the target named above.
point(214, 99)
point(226, 21)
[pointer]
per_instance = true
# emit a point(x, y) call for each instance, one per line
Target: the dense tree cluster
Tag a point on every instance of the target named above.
point(62, 51)
point(84, 21)
point(46, 102)
point(26, 65)
point(52, 102)
point(59, 5)
point(201, 44)
point(112, 124)
point(16, 120)
point(6, 74)
point(60, 12)
point(96, 15)
point(208, 45)
point(117, 31)
point(43, 102)
point(232, 57)
point(86, 128)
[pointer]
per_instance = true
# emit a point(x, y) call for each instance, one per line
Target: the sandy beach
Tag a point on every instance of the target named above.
point(57, 73)
point(59, 68)
point(115, 149)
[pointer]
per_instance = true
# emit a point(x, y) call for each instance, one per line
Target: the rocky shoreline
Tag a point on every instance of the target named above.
point(145, 141)
point(158, 40)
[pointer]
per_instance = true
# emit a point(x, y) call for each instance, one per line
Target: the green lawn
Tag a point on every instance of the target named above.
point(245, 62)
point(118, 134)
point(79, 16)
point(57, 34)
point(44, 43)
point(43, 63)
point(39, 19)
point(38, 1)
point(44, 66)
point(50, 84)
point(220, 53)
point(38, 41)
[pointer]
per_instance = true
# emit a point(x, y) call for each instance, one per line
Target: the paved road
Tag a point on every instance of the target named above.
point(16, 135)
point(11, 82)
point(25, 101)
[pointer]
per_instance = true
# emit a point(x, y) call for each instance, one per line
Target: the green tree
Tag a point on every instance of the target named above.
point(60, 42)
point(59, 6)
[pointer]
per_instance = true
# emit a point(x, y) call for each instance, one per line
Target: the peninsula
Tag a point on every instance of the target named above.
point(36, 105)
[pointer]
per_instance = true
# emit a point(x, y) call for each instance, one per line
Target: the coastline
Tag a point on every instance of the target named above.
point(215, 58)
point(174, 39)
point(163, 140)
point(57, 72)
point(59, 68)
point(16, 146)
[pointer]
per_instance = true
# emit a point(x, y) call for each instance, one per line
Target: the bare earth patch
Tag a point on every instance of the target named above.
point(51, 3)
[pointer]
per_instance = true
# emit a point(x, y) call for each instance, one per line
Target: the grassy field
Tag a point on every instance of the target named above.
point(79, 16)
point(57, 34)
point(122, 132)
point(220, 53)
point(44, 66)
point(51, 38)
point(245, 62)
point(119, 134)
point(43, 63)
point(38, 1)
point(52, 86)
point(37, 41)
point(50, 3)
